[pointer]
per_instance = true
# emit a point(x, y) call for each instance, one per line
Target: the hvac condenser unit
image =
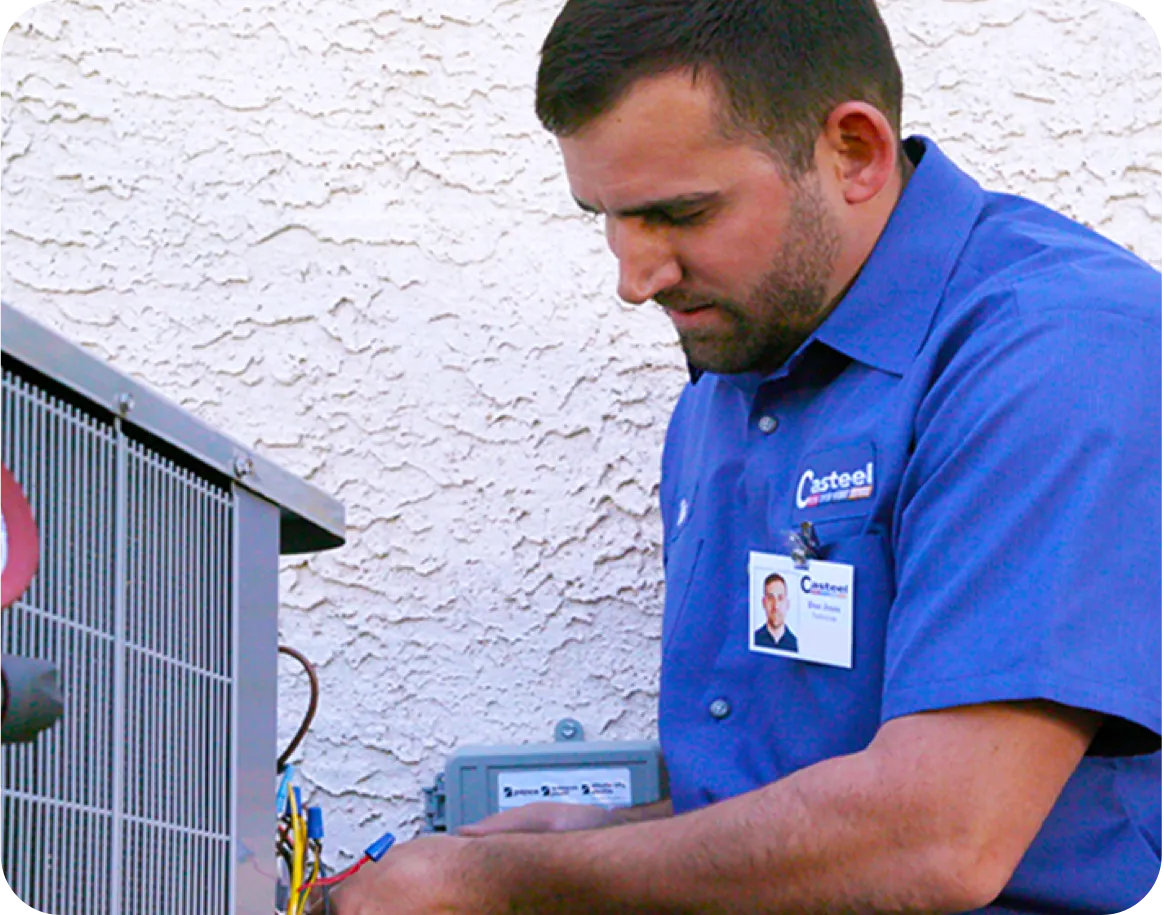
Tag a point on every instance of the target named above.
point(156, 599)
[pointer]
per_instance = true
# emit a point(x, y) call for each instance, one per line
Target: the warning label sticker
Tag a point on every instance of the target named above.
point(598, 787)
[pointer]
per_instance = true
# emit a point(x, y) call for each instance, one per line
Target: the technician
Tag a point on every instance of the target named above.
point(939, 408)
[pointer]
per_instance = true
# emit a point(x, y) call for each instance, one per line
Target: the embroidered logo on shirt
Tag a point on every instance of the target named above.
point(835, 486)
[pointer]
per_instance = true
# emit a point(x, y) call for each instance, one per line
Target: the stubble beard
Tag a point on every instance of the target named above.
point(786, 306)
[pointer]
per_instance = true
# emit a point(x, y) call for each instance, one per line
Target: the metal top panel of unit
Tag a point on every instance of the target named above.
point(310, 521)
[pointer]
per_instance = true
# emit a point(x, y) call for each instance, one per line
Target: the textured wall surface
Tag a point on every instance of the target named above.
point(336, 231)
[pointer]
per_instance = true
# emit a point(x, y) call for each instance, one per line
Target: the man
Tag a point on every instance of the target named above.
point(957, 394)
point(775, 632)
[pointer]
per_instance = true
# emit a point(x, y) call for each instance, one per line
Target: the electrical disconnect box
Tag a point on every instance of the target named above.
point(479, 781)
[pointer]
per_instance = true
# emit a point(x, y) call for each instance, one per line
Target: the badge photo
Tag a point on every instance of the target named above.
point(774, 613)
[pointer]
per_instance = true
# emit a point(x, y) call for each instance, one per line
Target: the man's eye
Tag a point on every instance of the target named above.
point(686, 218)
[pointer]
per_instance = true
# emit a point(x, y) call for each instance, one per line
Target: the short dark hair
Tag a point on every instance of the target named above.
point(780, 66)
point(775, 576)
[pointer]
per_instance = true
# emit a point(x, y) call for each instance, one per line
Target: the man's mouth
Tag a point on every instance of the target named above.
point(692, 317)
point(686, 308)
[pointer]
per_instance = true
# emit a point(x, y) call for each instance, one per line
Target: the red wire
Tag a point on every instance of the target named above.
point(334, 878)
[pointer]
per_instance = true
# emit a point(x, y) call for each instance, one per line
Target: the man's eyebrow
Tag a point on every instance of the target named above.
point(665, 206)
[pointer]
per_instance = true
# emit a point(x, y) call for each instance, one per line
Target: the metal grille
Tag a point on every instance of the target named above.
point(123, 806)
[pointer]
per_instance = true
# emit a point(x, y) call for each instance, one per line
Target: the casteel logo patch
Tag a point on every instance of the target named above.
point(836, 486)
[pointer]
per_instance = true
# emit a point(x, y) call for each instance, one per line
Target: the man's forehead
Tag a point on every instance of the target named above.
point(633, 173)
point(652, 132)
point(671, 94)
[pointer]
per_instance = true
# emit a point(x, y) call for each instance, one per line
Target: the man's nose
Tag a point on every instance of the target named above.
point(646, 261)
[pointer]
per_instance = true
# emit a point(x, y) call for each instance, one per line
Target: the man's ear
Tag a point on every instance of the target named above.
point(862, 150)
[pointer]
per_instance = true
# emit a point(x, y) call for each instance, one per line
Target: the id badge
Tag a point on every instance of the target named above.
point(801, 609)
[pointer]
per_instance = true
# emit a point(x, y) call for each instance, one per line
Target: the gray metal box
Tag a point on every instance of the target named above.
point(480, 781)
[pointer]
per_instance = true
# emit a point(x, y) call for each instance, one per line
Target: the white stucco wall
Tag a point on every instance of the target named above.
point(336, 231)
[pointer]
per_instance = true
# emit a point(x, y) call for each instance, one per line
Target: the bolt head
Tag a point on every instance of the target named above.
point(243, 466)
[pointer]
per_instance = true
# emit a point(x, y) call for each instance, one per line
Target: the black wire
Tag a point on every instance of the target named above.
point(309, 715)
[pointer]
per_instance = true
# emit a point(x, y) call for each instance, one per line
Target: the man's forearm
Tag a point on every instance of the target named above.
point(811, 842)
point(933, 817)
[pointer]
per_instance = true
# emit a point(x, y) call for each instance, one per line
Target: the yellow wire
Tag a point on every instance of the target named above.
point(297, 852)
point(317, 863)
point(306, 848)
point(315, 866)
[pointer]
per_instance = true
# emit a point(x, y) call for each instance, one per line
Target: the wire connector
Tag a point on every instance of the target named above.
point(294, 803)
point(380, 847)
point(315, 823)
point(284, 788)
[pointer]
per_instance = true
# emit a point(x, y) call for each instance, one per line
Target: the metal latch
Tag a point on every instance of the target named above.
point(434, 806)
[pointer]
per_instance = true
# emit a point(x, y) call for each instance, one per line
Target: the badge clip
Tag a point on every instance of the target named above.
point(804, 544)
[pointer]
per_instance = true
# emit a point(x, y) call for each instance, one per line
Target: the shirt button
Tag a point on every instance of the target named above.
point(720, 709)
point(768, 424)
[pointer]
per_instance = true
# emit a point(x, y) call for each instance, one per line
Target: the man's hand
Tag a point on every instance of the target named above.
point(440, 874)
point(427, 875)
point(544, 816)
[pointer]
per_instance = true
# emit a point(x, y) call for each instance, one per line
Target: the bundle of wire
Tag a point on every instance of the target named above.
point(301, 847)
point(300, 839)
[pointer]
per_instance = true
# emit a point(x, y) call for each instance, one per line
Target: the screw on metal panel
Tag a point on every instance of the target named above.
point(243, 466)
point(568, 729)
point(124, 403)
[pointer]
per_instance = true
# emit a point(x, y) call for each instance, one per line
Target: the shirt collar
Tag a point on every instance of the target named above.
point(885, 316)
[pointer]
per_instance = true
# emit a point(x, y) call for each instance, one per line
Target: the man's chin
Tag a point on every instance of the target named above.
point(720, 358)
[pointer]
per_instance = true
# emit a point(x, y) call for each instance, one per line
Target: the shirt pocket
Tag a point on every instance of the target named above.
point(788, 699)
point(834, 489)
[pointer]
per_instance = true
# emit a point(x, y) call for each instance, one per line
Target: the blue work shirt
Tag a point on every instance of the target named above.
point(998, 366)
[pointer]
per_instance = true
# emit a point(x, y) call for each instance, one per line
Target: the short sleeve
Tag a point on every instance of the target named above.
point(1027, 530)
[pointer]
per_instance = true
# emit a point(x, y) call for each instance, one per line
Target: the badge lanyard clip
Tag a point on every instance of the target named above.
point(803, 544)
